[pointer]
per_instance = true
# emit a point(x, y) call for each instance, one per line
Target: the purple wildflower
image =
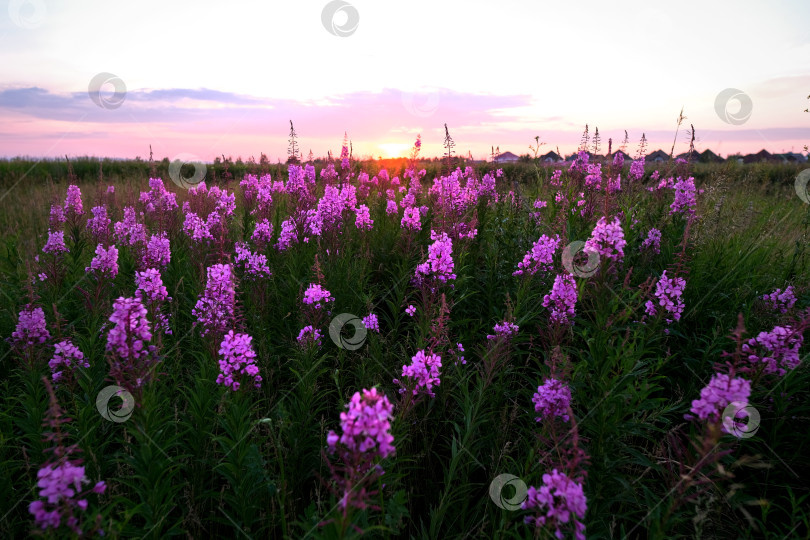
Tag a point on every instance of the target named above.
point(237, 358)
point(562, 299)
point(552, 399)
point(215, 306)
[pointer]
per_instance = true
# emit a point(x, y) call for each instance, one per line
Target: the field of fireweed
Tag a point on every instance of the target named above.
point(603, 352)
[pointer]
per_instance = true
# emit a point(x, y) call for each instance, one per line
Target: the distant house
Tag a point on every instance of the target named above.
point(625, 155)
point(657, 157)
point(710, 157)
point(551, 157)
point(506, 157)
point(762, 155)
point(694, 156)
point(791, 157)
point(573, 156)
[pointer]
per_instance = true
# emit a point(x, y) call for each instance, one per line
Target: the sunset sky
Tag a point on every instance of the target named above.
point(211, 78)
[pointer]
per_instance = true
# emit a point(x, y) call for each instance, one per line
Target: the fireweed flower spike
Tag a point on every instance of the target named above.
point(67, 357)
point(55, 243)
point(364, 438)
point(562, 299)
point(237, 362)
point(105, 263)
point(439, 265)
point(780, 301)
point(653, 241)
point(607, 239)
point(721, 391)
point(422, 374)
point(371, 322)
point(309, 335)
point(552, 399)
point(777, 350)
point(316, 296)
point(128, 342)
point(215, 307)
point(561, 502)
point(540, 257)
point(31, 328)
point(505, 330)
point(60, 481)
point(668, 292)
point(151, 291)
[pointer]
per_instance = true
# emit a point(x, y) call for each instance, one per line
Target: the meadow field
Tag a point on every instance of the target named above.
point(427, 350)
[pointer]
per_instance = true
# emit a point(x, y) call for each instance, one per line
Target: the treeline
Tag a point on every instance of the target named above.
point(89, 169)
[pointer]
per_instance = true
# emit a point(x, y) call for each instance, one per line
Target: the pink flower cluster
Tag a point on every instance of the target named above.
point(158, 252)
point(129, 336)
point(371, 322)
point(411, 219)
point(440, 260)
point(55, 243)
point(540, 257)
point(105, 262)
point(607, 239)
point(777, 350)
point(668, 292)
point(31, 328)
point(99, 224)
point(505, 330)
point(562, 299)
point(56, 217)
point(363, 219)
point(73, 202)
point(151, 291)
point(288, 235)
point(721, 391)
point(309, 335)
point(653, 241)
point(593, 179)
point(423, 373)
point(262, 233)
point(563, 501)
point(237, 358)
point(685, 199)
point(366, 425)
point(128, 231)
point(780, 300)
point(158, 200)
point(60, 484)
point(67, 357)
point(255, 264)
point(317, 296)
point(637, 169)
point(552, 399)
point(196, 228)
point(215, 306)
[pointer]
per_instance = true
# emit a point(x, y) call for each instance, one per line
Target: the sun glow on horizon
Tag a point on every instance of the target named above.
point(394, 150)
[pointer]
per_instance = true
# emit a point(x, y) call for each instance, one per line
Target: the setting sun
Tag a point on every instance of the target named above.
point(395, 150)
